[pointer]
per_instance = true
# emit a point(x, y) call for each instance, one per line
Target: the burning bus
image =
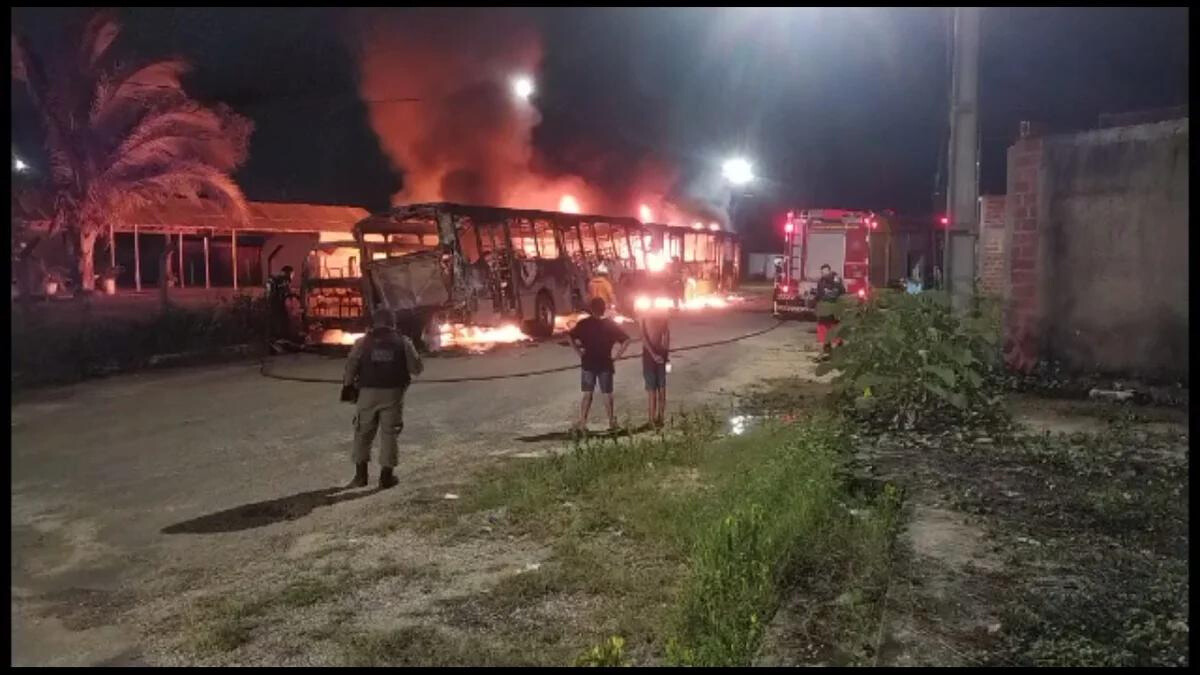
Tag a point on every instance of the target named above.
point(462, 275)
point(835, 237)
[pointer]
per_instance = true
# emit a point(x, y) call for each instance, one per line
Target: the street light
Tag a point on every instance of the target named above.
point(19, 165)
point(737, 171)
point(522, 86)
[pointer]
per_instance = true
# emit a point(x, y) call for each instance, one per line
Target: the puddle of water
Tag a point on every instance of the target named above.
point(743, 423)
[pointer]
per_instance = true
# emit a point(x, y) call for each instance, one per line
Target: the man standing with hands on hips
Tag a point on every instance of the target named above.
point(593, 340)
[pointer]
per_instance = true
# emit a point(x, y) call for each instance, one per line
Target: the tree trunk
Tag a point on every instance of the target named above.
point(87, 263)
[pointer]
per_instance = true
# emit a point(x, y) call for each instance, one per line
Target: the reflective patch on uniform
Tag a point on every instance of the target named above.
point(387, 355)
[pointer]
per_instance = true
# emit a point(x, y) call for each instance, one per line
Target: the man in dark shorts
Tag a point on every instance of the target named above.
point(656, 348)
point(593, 339)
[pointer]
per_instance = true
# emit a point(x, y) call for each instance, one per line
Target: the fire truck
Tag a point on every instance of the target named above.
point(836, 237)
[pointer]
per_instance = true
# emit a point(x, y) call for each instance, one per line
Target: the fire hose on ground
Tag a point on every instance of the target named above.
point(507, 376)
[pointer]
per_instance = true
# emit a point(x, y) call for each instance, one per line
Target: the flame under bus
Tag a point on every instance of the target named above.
point(469, 275)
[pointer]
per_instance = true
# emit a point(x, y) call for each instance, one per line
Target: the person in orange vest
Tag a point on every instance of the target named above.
point(600, 286)
point(829, 289)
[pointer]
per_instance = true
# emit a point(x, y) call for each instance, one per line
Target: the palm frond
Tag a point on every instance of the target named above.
point(100, 32)
point(157, 83)
point(18, 60)
point(188, 131)
point(120, 138)
point(189, 179)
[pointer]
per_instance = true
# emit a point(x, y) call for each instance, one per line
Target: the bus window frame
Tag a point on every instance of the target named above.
point(572, 228)
point(515, 225)
point(639, 252)
point(622, 231)
point(610, 252)
point(551, 228)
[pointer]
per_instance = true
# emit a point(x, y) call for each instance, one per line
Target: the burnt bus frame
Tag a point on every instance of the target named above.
point(448, 225)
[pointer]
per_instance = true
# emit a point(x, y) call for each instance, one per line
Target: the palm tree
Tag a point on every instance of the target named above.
point(119, 136)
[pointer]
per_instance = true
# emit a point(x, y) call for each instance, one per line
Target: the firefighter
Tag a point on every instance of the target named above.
point(379, 369)
point(829, 289)
point(600, 286)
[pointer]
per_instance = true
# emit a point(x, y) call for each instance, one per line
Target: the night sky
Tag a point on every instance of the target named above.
point(837, 107)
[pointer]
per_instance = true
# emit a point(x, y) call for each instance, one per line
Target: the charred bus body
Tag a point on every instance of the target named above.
point(437, 264)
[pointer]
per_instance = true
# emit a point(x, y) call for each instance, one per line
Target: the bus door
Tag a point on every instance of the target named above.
point(572, 253)
point(525, 267)
point(476, 247)
point(493, 243)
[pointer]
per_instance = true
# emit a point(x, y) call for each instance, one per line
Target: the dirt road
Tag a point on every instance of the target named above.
point(134, 496)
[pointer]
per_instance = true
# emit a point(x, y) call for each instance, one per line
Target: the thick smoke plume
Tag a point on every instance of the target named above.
point(467, 137)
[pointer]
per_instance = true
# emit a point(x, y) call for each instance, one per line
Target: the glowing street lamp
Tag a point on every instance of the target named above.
point(522, 86)
point(19, 165)
point(568, 204)
point(738, 171)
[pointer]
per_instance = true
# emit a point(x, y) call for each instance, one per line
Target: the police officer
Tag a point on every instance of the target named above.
point(380, 366)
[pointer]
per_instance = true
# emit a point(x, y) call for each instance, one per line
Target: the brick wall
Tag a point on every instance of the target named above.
point(993, 246)
point(1023, 299)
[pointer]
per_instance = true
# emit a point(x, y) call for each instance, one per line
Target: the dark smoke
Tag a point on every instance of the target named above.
point(468, 139)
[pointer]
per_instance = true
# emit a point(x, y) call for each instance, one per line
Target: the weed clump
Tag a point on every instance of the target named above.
point(910, 362)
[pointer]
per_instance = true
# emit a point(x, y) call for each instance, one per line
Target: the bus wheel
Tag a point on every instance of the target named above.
point(543, 316)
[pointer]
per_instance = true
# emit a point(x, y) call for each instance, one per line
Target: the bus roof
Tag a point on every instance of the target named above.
point(406, 213)
point(420, 218)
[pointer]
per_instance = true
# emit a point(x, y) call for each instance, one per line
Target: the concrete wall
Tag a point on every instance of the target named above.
point(761, 265)
point(1098, 225)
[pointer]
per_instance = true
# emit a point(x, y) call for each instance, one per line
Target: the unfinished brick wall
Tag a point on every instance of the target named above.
point(1023, 298)
point(1097, 236)
point(993, 249)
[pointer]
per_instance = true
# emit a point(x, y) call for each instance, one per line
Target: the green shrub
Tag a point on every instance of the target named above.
point(909, 361)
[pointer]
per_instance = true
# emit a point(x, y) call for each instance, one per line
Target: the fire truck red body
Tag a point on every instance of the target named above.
point(835, 237)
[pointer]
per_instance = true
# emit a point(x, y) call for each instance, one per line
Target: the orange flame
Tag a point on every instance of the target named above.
point(478, 338)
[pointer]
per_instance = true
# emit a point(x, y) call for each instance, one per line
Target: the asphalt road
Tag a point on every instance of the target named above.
point(112, 480)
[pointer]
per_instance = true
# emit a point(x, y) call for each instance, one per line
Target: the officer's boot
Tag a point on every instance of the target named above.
point(386, 479)
point(360, 475)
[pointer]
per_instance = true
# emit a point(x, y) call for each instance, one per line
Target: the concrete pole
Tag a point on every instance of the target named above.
point(233, 242)
point(962, 194)
point(137, 259)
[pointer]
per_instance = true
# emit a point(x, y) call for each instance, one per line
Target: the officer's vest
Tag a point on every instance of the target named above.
point(384, 364)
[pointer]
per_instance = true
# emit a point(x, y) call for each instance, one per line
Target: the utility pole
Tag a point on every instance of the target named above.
point(962, 193)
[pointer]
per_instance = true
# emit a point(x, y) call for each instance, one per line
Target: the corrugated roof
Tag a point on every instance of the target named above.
point(264, 216)
point(267, 216)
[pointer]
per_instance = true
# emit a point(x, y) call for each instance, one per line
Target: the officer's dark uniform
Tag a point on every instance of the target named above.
point(381, 365)
point(279, 289)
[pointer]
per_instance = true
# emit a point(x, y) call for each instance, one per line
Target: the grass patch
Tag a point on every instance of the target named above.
point(406, 646)
point(223, 624)
point(687, 541)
